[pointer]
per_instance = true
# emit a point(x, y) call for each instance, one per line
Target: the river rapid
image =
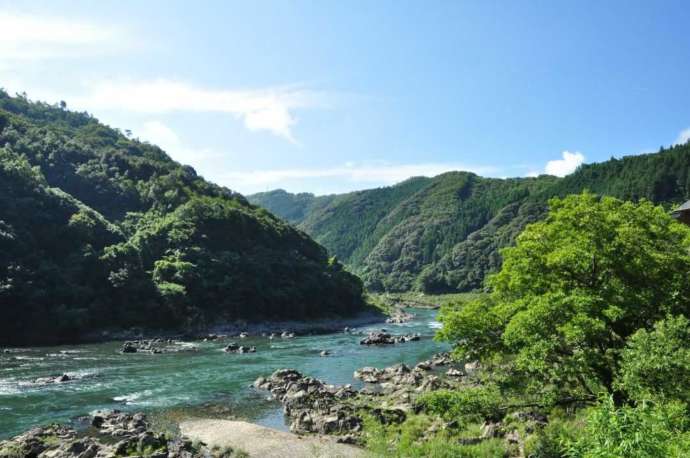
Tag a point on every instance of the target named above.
point(205, 382)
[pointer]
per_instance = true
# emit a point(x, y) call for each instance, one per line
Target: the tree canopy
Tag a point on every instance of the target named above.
point(574, 288)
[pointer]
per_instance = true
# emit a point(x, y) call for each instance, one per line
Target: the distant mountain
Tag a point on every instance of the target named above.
point(445, 233)
point(99, 231)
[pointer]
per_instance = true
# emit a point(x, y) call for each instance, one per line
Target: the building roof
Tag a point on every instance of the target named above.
point(683, 208)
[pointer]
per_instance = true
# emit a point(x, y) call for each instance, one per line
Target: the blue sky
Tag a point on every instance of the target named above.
point(327, 96)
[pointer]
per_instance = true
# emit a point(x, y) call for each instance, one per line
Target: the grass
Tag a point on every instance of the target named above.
point(413, 439)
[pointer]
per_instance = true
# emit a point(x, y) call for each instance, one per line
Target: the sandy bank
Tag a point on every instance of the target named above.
point(259, 441)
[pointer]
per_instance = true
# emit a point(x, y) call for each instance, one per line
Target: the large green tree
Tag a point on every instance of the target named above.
point(574, 288)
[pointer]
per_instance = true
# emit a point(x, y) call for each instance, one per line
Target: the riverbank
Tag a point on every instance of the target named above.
point(259, 441)
point(237, 327)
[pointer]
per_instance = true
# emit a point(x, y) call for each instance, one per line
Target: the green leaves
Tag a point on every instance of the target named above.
point(647, 430)
point(655, 364)
point(575, 287)
point(470, 404)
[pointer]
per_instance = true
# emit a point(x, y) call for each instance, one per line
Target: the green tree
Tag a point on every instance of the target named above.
point(574, 288)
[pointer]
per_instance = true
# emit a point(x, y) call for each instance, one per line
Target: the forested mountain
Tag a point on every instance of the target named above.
point(444, 234)
point(101, 231)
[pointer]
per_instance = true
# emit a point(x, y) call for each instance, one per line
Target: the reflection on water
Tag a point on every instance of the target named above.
point(172, 386)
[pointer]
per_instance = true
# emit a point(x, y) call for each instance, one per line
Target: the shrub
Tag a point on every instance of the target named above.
point(656, 364)
point(469, 404)
point(646, 431)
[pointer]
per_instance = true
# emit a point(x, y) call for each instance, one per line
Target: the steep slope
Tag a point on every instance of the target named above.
point(99, 231)
point(445, 233)
point(293, 208)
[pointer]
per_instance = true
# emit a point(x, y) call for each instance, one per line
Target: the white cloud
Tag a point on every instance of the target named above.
point(269, 109)
point(159, 134)
point(347, 177)
point(565, 166)
point(683, 137)
point(30, 37)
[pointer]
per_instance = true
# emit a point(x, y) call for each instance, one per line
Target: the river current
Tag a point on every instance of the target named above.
point(171, 386)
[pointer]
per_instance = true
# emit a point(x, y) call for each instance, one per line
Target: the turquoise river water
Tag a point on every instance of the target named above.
point(172, 386)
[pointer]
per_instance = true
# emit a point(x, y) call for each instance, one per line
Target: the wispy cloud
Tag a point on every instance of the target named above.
point(346, 177)
point(683, 137)
point(160, 134)
point(270, 109)
point(565, 166)
point(30, 37)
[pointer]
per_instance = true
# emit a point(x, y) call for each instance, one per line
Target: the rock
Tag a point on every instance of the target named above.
point(232, 347)
point(430, 383)
point(399, 317)
point(471, 367)
point(441, 359)
point(57, 379)
point(378, 338)
point(490, 430)
point(454, 373)
point(97, 421)
point(423, 366)
point(129, 347)
point(384, 338)
point(155, 346)
point(114, 434)
point(368, 374)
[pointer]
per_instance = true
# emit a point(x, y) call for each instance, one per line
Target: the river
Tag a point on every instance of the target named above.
point(171, 386)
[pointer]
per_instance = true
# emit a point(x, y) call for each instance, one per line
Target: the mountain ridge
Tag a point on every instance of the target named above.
point(446, 235)
point(99, 231)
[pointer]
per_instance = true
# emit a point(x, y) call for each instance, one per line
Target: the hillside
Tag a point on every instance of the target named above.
point(100, 231)
point(444, 234)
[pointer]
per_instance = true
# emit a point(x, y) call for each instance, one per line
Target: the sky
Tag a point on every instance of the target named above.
point(334, 96)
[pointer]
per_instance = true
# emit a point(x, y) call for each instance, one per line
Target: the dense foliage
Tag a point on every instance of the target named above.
point(444, 234)
point(589, 310)
point(101, 231)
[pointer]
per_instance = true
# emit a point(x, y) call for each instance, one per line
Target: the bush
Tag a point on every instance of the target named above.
point(656, 364)
point(468, 404)
point(412, 439)
point(646, 431)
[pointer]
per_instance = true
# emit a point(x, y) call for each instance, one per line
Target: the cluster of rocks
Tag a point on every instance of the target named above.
point(399, 317)
point(384, 338)
point(401, 379)
point(234, 348)
point(315, 407)
point(154, 346)
point(111, 434)
point(311, 405)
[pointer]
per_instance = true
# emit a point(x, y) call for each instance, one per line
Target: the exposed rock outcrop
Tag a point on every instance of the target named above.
point(384, 338)
point(111, 434)
point(155, 346)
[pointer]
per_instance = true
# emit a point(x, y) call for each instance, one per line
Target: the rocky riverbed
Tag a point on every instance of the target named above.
point(46, 385)
point(313, 406)
point(106, 434)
